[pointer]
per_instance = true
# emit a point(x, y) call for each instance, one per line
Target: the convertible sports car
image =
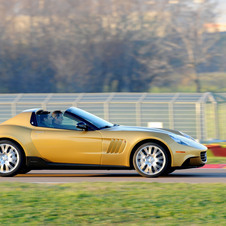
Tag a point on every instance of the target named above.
point(34, 139)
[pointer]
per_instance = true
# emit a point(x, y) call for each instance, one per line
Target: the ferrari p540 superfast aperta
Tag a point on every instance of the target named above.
point(76, 139)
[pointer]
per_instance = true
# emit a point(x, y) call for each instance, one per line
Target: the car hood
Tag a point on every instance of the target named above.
point(144, 129)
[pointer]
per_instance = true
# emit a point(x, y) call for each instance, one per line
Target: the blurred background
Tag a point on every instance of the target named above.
point(133, 62)
point(75, 46)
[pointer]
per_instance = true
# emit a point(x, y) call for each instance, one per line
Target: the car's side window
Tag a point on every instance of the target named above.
point(61, 121)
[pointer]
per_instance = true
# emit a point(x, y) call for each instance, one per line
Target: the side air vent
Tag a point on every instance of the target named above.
point(116, 146)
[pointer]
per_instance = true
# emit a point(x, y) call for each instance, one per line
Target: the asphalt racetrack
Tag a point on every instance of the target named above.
point(198, 175)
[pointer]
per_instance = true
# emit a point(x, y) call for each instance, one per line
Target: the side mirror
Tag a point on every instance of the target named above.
point(82, 125)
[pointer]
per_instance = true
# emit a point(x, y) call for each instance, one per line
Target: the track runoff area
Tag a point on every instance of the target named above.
point(212, 173)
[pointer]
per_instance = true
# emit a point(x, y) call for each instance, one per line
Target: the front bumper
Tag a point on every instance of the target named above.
point(194, 162)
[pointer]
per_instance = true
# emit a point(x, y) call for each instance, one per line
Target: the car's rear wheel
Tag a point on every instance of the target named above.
point(151, 160)
point(11, 158)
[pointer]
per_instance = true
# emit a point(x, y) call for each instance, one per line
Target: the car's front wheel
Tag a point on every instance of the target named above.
point(151, 160)
point(24, 170)
point(11, 158)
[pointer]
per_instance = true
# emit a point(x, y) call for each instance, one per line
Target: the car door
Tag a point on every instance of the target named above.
point(68, 146)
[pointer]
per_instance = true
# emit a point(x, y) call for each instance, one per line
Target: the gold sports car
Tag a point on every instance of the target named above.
point(76, 139)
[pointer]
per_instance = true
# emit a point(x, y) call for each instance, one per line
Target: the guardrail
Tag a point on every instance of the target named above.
point(201, 115)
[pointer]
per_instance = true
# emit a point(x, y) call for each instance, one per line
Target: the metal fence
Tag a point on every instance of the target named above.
point(201, 115)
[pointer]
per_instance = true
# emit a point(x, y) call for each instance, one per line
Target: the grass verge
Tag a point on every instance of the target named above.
point(112, 203)
point(216, 160)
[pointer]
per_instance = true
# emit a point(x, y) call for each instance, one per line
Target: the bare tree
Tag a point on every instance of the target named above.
point(190, 37)
point(104, 45)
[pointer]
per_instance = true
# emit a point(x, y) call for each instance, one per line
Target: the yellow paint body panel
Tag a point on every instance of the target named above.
point(68, 146)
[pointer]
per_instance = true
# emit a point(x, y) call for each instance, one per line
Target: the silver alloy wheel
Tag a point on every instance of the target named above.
point(9, 158)
point(150, 160)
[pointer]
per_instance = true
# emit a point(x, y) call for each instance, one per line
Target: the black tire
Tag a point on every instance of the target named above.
point(24, 170)
point(11, 158)
point(168, 171)
point(151, 160)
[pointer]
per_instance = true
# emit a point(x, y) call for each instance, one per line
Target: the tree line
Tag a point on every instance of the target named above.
point(106, 45)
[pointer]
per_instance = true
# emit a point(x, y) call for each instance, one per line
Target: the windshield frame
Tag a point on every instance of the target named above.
point(94, 121)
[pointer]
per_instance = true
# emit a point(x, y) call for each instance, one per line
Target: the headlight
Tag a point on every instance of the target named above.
point(187, 141)
point(179, 139)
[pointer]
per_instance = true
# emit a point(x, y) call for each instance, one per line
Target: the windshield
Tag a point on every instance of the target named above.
point(94, 120)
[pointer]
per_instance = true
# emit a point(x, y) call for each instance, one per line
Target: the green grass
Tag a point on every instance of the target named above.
point(112, 203)
point(216, 160)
